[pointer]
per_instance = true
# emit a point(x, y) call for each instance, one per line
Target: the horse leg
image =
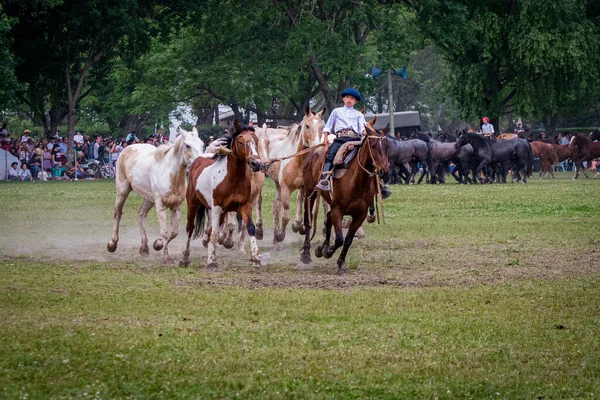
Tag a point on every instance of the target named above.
point(246, 214)
point(215, 219)
point(228, 231)
point(276, 210)
point(242, 235)
point(193, 207)
point(298, 226)
point(356, 223)
point(175, 217)
point(335, 219)
point(321, 250)
point(142, 214)
point(284, 198)
point(309, 203)
point(123, 191)
point(259, 218)
point(165, 234)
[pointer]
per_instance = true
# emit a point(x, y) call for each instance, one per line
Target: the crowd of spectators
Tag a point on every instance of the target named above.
point(47, 159)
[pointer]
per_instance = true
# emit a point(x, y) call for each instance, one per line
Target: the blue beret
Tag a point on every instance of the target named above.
point(351, 92)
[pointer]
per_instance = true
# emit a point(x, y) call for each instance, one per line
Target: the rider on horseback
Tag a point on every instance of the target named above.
point(345, 122)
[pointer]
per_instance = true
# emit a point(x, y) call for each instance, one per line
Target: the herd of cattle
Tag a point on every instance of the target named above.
point(225, 181)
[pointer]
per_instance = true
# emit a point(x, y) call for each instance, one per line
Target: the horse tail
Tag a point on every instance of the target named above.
point(315, 214)
point(199, 222)
point(529, 160)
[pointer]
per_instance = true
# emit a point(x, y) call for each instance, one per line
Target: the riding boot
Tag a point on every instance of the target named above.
point(324, 182)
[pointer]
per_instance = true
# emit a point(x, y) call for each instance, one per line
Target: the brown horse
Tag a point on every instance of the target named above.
point(222, 184)
point(547, 155)
point(586, 150)
point(352, 194)
point(507, 136)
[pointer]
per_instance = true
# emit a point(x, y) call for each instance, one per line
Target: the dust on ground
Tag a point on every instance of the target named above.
point(410, 264)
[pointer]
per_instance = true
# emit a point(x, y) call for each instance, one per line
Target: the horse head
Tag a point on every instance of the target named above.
point(462, 140)
point(377, 146)
point(244, 144)
point(311, 127)
point(188, 145)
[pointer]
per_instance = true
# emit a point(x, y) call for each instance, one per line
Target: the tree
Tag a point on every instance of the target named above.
point(530, 57)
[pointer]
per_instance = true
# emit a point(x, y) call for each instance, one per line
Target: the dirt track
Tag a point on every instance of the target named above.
point(413, 264)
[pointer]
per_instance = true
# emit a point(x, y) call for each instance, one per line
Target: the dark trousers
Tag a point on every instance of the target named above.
point(335, 146)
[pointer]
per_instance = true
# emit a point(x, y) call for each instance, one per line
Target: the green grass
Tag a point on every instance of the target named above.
point(466, 292)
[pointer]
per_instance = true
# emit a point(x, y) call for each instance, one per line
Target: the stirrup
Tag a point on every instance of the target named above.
point(324, 185)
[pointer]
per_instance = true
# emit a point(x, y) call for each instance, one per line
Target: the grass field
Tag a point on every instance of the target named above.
point(467, 292)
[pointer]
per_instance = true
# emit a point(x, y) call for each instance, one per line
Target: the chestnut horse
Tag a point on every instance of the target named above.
point(222, 184)
point(157, 174)
point(352, 194)
point(586, 150)
point(287, 174)
point(547, 155)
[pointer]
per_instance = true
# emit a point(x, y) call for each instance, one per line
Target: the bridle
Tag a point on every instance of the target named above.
point(246, 138)
point(376, 168)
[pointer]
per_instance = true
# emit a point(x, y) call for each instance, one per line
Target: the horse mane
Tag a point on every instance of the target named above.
point(163, 149)
point(582, 141)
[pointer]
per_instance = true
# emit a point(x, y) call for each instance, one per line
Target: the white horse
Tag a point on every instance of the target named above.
point(158, 175)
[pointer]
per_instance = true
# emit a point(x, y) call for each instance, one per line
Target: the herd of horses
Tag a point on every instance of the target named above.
point(222, 184)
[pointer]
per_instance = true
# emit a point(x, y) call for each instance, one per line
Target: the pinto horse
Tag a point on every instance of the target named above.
point(287, 174)
point(586, 151)
point(157, 174)
point(352, 194)
point(220, 184)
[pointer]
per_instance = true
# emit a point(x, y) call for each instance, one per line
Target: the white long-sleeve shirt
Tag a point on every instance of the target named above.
point(345, 118)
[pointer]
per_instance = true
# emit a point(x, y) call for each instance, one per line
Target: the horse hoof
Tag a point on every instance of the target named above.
point(294, 228)
point(158, 244)
point(370, 218)
point(301, 230)
point(111, 246)
point(229, 244)
point(279, 237)
point(258, 232)
point(255, 262)
point(305, 258)
point(144, 251)
point(213, 266)
point(318, 252)
point(341, 270)
point(204, 243)
point(168, 261)
point(184, 263)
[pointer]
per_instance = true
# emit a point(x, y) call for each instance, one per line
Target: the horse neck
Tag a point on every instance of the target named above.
point(365, 157)
point(174, 160)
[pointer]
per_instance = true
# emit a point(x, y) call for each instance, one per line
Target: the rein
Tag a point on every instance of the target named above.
point(304, 151)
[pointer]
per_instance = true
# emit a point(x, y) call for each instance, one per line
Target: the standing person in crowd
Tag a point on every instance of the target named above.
point(4, 131)
point(55, 154)
point(24, 153)
point(51, 143)
point(487, 129)
point(47, 160)
point(96, 147)
point(566, 138)
point(115, 152)
point(13, 172)
point(6, 144)
point(131, 138)
point(62, 145)
point(25, 137)
point(78, 138)
point(24, 174)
